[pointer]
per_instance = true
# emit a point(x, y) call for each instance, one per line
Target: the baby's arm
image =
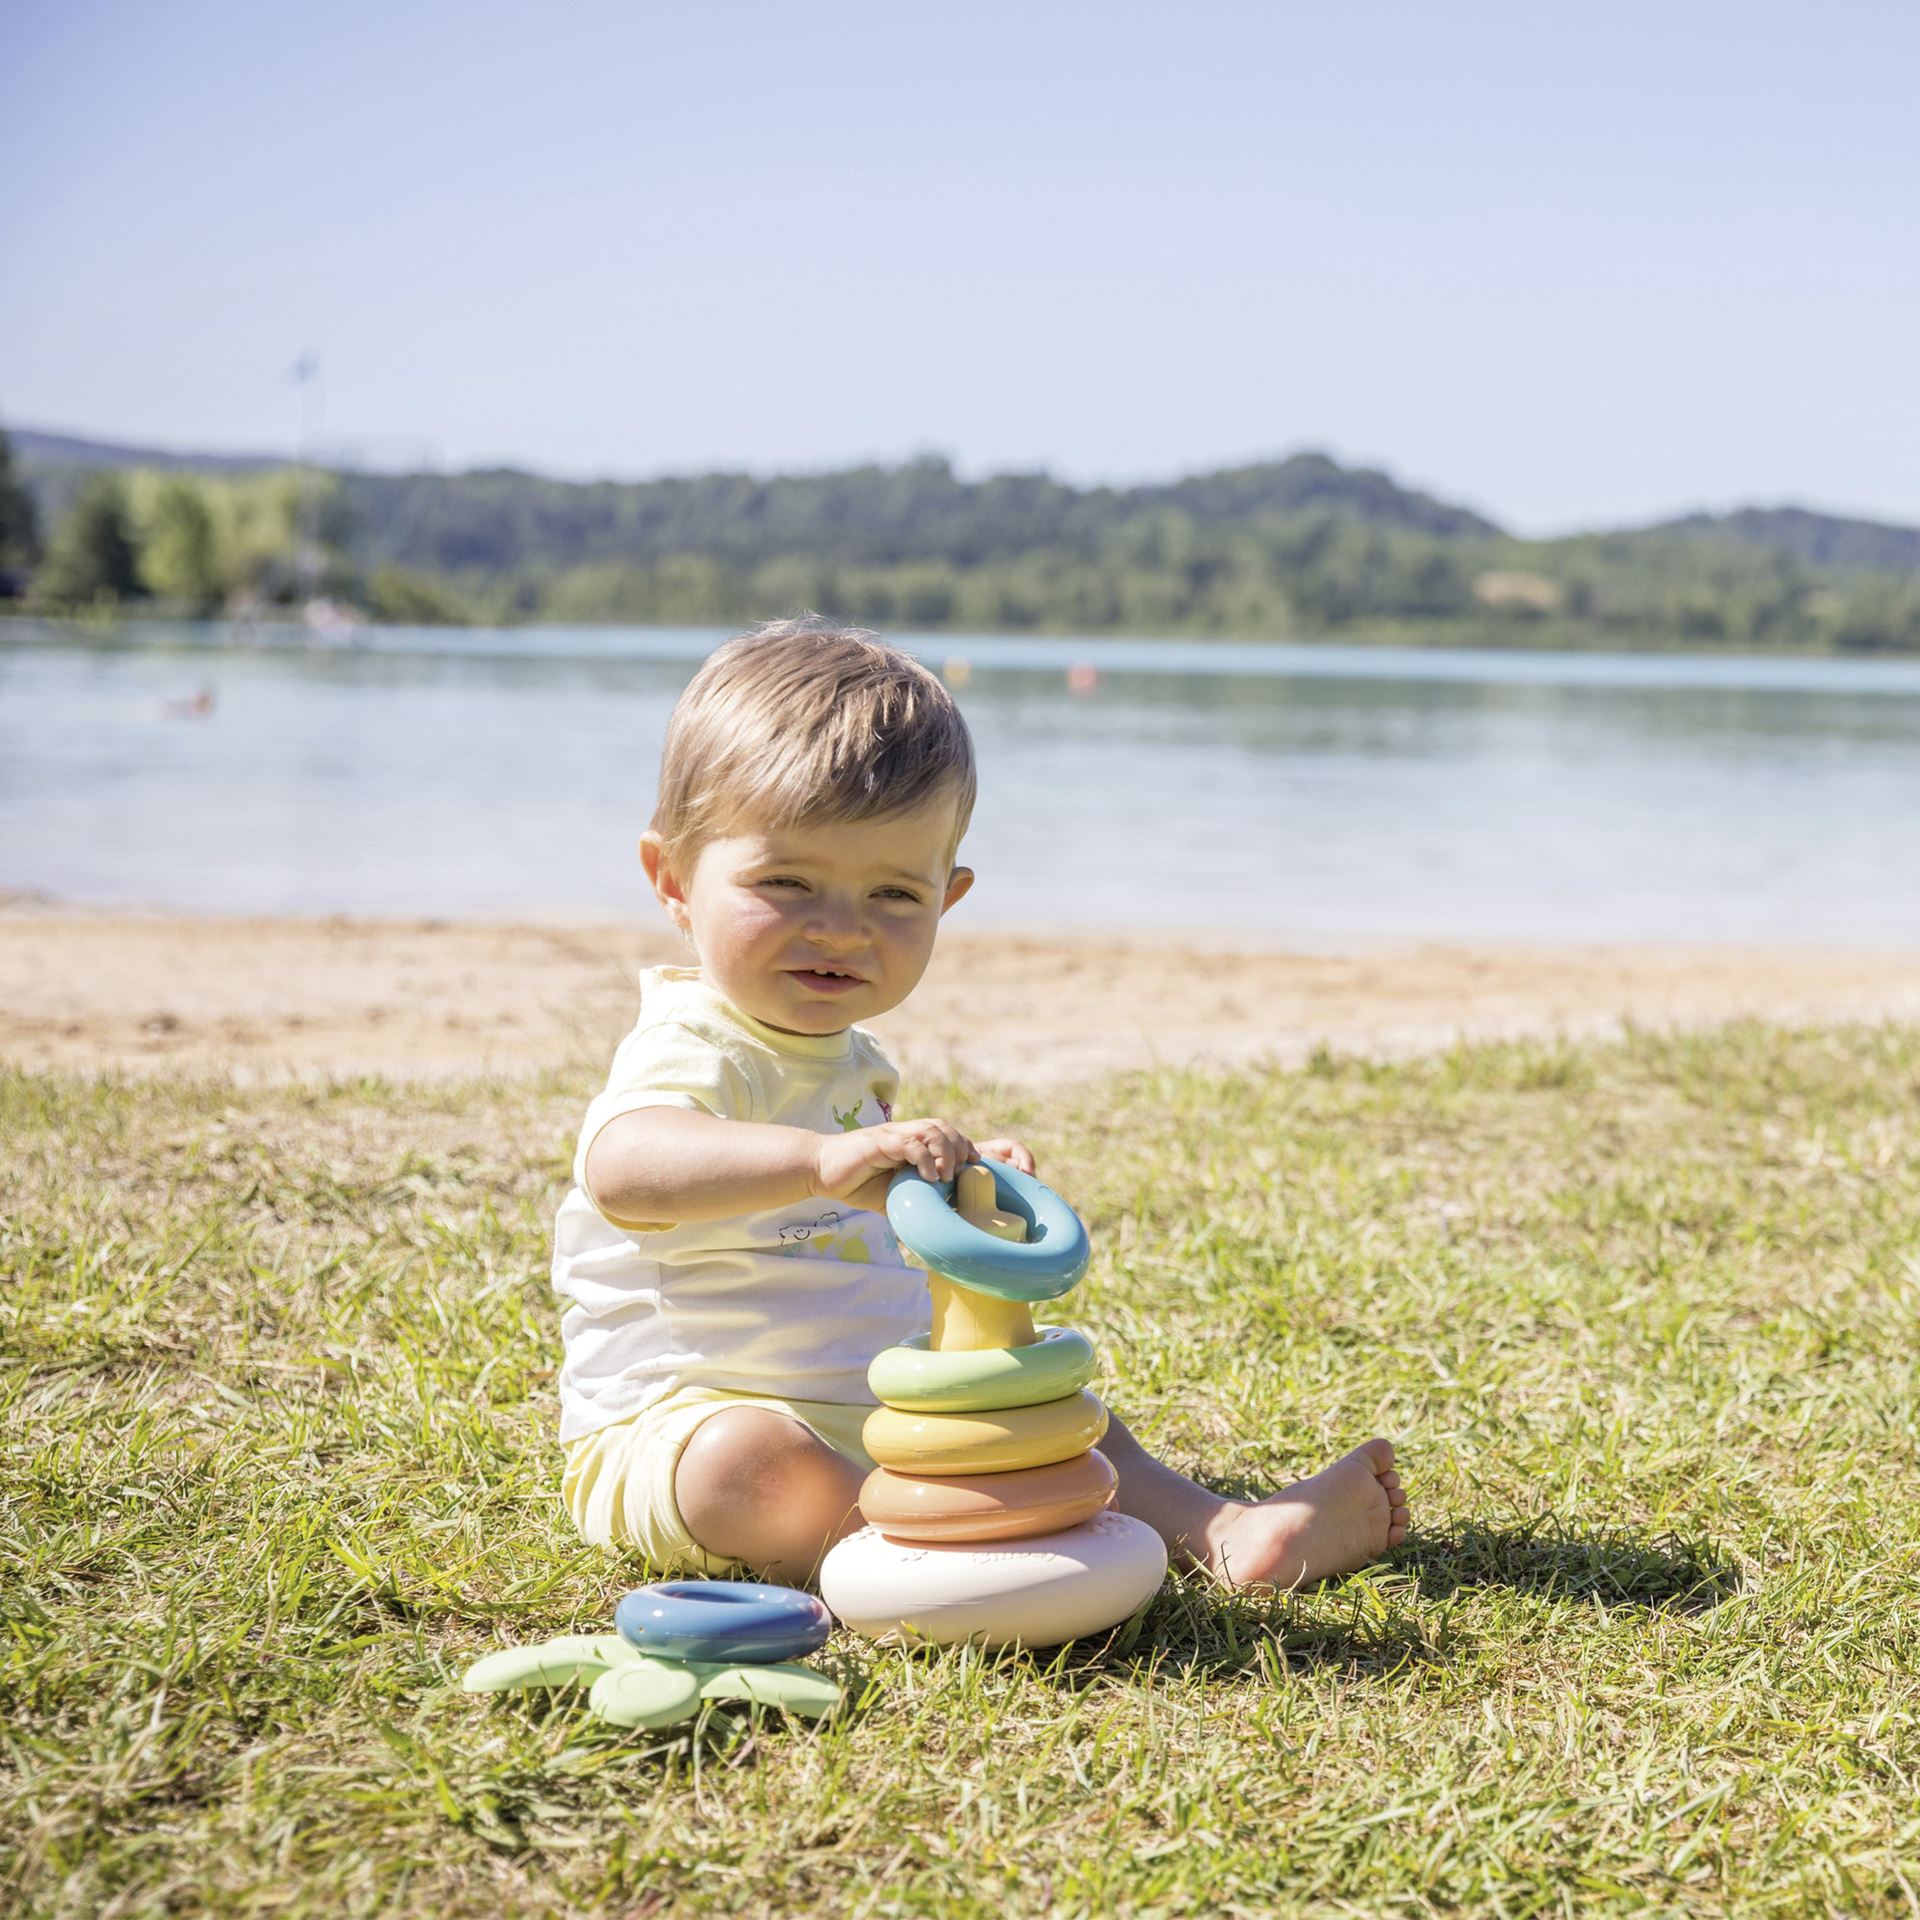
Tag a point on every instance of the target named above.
point(670, 1165)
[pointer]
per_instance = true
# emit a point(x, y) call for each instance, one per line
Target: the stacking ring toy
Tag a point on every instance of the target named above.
point(988, 1506)
point(1043, 1266)
point(913, 1378)
point(988, 1515)
point(725, 1621)
point(995, 1442)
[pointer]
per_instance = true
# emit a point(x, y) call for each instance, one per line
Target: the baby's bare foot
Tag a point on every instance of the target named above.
point(1350, 1513)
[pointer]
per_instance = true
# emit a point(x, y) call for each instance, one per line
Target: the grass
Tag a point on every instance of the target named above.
point(278, 1462)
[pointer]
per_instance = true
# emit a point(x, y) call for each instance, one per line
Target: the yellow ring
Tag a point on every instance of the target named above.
point(1000, 1442)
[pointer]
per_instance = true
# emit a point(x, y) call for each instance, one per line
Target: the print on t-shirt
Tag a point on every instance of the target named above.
point(822, 1238)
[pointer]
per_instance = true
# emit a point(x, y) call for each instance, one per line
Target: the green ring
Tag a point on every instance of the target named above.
point(1059, 1362)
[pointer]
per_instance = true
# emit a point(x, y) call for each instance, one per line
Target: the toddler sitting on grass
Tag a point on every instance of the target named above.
point(724, 1249)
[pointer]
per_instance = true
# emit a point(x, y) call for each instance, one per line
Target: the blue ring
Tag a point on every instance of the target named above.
point(735, 1621)
point(1053, 1257)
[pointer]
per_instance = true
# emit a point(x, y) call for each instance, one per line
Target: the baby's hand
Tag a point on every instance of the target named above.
point(1011, 1152)
point(856, 1166)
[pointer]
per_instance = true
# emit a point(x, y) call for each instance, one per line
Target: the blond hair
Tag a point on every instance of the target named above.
point(800, 720)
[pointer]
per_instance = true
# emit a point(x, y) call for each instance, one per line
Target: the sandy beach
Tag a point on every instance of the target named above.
point(280, 998)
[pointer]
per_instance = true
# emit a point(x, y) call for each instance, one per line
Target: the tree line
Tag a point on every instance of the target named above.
point(1297, 547)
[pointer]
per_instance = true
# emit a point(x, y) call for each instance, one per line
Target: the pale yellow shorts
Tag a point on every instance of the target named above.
point(618, 1483)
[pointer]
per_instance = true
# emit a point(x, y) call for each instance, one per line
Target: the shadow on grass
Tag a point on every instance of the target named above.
point(1608, 1566)
point(1611, 1567)
point(1194, 1628)
point(1381, 1622)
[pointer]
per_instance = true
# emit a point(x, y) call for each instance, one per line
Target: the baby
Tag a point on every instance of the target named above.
point(724, 1248)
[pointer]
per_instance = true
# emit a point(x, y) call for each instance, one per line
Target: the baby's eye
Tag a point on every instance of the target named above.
point(782, 880)
point(898, 893)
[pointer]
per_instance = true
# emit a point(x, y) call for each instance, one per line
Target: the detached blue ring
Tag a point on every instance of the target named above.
point(1053, 1258)
point(734, 1621)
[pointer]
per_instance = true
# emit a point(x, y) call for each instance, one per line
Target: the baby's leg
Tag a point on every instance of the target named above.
point(757, 1486)
point(1344, 1516)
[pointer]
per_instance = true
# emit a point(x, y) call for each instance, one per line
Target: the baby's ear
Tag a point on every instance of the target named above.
point(665, 883)
point(957, 887)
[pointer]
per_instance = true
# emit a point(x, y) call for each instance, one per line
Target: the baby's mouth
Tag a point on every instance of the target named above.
point(827, 979)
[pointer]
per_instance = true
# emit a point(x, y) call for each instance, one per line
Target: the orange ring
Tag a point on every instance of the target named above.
point(988, 1506)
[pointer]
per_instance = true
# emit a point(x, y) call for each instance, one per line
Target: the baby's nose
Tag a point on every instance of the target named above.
point(835, 925)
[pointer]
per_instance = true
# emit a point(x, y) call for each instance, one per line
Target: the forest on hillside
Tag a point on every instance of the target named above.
point(1293, 548)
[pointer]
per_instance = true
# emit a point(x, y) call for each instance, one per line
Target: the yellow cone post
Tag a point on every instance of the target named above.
point(965, 1321)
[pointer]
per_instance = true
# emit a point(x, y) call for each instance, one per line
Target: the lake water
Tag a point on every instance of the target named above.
point(1309, 793)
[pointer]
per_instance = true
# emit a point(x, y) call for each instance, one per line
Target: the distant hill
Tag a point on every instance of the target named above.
point(861, 516)
point(1313, 483)
point(506, 516)
point(48, 450)
point(55, 466)
point(876, 516)
point(1813, 539)
point(1300, 545)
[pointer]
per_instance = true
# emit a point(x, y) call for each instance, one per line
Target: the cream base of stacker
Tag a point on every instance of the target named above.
point(1037, 1592)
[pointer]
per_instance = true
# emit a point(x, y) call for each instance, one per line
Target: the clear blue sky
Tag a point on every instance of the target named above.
point(1571, 264)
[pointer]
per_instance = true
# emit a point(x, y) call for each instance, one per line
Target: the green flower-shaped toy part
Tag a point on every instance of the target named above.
point(634, 1689)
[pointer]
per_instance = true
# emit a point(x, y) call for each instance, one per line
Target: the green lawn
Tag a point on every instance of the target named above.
point(279, 1461)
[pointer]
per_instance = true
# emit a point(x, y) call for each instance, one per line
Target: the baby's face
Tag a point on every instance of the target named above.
point(810, 928)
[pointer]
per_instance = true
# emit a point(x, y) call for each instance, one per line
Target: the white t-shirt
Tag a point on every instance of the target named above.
point(793, 1302)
